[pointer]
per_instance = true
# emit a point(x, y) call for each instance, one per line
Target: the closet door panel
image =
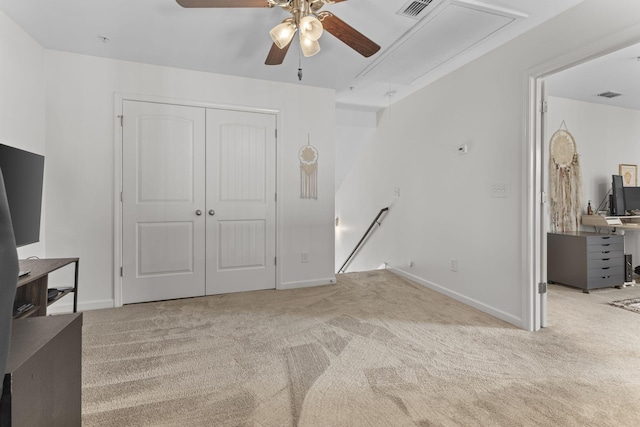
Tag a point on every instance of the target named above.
point(241, 207)
point(163, 189)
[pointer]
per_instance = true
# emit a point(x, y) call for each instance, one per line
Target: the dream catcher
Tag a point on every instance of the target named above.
point(565, 186)
point(308, 155)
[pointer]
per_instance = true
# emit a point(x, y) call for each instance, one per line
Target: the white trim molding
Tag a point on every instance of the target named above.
point(502, 315)
point(61, 307)
point(307, 283)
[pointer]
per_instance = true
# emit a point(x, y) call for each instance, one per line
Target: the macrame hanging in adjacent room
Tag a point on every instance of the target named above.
point(565, 182)
point(308, 156)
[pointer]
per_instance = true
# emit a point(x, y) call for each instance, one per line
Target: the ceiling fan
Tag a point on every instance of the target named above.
point(306, 19)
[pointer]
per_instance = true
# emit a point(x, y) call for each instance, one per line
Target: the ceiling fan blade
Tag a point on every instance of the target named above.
point(347, 34)
point(224, 3)
point(276, 55)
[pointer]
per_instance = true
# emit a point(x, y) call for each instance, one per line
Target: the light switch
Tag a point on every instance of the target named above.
point(499, 189)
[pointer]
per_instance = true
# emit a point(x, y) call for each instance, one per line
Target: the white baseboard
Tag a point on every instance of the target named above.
point(514, 320)
point(307, 283)
point(65, 305)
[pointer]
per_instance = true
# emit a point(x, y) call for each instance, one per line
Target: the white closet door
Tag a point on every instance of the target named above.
point(163, 190)
point(241, 207)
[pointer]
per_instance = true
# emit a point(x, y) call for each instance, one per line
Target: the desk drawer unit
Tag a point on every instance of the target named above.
point(585, 260)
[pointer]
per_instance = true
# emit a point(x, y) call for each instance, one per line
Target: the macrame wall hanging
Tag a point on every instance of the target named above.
point(308, 156)
point(565, 186)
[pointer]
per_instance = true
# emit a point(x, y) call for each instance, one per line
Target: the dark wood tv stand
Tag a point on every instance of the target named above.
point(32, 288)
point(42, 385)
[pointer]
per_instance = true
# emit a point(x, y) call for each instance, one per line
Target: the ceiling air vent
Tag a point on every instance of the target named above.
point(413, 8)
point(609, 94)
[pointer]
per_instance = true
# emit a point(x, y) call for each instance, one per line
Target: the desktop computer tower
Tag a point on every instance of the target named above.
point(628, 268)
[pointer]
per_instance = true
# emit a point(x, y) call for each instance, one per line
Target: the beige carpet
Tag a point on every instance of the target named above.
point(373, 350)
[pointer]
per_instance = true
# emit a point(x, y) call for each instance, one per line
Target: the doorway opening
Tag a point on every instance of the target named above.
point(550, 101)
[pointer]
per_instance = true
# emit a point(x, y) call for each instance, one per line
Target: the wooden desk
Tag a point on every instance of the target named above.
point(43, 380)
point(600, 221)
point(33, 287)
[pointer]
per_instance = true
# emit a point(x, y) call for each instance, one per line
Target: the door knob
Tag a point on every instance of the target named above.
point(212, 212)
point(198, 212)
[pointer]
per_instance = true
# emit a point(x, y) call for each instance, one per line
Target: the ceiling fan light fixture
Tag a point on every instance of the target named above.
point(311, 27)
point(309, 47)
point(282, 34)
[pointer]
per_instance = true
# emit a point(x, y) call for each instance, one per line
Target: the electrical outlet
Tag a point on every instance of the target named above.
point(396, 192)
point(410, 263)
point(454, 265)
point(304, 257)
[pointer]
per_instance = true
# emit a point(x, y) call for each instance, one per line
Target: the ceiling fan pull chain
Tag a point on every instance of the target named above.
point(299, 66)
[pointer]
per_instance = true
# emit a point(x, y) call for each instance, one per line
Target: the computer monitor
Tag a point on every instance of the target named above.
point(632, 198)
point(618, 207)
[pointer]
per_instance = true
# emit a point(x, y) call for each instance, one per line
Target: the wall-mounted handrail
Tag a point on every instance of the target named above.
point(366, 233)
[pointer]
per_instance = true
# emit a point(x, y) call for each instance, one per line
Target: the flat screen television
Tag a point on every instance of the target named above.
point(617, 206)
point(23, 174)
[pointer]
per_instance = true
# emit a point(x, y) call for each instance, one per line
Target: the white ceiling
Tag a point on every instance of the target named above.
point(616, 72)
point(415, 52)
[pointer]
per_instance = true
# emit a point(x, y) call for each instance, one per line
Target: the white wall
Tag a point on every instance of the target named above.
point(354, 130)
point(445, 210)
point(80, 156)
point(606, 137)
point(22, 102)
